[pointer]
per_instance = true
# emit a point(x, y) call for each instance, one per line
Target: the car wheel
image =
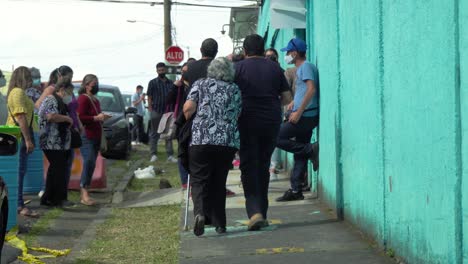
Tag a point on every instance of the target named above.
point(3, 223)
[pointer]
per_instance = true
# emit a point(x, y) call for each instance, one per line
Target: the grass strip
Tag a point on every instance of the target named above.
point(41, 226)
point(137, 235)
point(165, 170)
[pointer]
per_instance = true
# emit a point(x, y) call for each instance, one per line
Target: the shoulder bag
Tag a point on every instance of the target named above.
point(103, 146)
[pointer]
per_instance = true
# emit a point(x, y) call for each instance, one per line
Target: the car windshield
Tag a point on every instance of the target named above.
point(127, 99)
point(109, 101)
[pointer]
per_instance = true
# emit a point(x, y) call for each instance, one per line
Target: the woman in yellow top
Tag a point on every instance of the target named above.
point(21, 113)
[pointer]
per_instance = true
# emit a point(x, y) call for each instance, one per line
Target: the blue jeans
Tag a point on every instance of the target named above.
point(22, 168)
point(89, 151)
point(182, 172)
point(300, 147)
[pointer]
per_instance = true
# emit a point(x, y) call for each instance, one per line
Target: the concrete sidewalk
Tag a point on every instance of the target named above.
point(299, 232)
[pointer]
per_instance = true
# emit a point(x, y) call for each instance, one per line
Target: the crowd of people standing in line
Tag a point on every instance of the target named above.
point(65, 122)
point(235, 104)
point(245, 104)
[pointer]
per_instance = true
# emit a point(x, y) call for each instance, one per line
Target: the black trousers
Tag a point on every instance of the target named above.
point(209, 167)
point(56, 186)
point(257, 144)
point(137, 131)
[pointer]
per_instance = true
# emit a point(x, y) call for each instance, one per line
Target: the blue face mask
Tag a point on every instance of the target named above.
point(36, 82)
point(2, 82)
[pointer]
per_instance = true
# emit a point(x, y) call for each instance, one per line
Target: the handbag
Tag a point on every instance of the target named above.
point(75, 139)
point(167, 126)
point(103, 146)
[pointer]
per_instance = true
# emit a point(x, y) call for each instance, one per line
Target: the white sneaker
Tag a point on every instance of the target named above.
point(172, 159)
point(273, 175)
point(134, 143)
point(40, 194)
point(154, 158)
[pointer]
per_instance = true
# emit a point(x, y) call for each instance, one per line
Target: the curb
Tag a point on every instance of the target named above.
point(89, 234)
point(102, 215)
point(118, 192)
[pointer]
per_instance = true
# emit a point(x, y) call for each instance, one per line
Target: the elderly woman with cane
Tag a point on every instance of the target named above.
point(216, 102)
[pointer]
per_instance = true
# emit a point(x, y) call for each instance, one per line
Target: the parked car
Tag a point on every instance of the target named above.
point(146, 118)
point(116, 128)
point(8, 147)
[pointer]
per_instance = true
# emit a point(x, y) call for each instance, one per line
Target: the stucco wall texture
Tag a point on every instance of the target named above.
point(463, 105)
point(393, 120)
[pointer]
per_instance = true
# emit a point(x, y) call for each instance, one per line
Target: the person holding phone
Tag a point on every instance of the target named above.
point(138, 100)
point(89, 112)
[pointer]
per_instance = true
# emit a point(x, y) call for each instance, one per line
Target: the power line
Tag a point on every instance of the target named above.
point(176, 3)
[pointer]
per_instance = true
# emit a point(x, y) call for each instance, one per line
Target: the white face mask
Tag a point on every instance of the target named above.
point(67, 99)
point(289, 59)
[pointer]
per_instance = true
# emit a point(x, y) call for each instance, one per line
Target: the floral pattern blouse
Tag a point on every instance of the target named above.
point(52, 136)
point(218, 108)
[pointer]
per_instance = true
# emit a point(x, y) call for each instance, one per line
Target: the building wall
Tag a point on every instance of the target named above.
point(393, 120)
point(463, 105)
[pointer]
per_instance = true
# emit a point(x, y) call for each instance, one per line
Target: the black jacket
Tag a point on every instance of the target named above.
point(184, 136)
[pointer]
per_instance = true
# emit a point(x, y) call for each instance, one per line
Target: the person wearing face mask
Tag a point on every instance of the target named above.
point(138, 100)
point(54, 140)
point(272, 54)
point(158, 88)
point(177, 97)
point(34, 92)
point(61, 73)
point(89, 112)
point(303, 119)
point(72, 104)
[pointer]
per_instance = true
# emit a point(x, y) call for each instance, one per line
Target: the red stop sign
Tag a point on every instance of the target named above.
point(174, 55)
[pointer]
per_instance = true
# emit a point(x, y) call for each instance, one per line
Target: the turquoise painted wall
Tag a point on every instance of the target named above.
point(420, 128)
point(360, 93)
point(326, 26)
point(463, 24)
point(393, 127)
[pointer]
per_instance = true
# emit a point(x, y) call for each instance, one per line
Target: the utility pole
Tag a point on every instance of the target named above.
point(167, 24)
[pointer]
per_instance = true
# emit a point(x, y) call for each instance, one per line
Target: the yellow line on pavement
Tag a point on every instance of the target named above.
point(279, 250)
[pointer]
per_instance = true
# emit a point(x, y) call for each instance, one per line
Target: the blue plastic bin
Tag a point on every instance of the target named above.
point(34, 178)
point(9, 172)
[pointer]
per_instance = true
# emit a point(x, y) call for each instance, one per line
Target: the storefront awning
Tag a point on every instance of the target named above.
point(288, 14)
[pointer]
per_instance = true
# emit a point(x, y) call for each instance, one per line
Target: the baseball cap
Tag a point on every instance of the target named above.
point(295, 44)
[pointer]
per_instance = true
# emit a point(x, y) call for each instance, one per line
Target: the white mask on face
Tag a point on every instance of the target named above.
point(289, 59)
point(67, 99)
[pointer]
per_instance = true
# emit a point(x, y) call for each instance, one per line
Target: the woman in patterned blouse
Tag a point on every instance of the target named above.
point(215, 139)
point(54, 140)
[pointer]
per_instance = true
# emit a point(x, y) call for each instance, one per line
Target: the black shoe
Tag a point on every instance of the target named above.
point(199, 227)
point(314, 157)
point(66, 203)
point(289, 195)
point(47, 203)
point(220, 230)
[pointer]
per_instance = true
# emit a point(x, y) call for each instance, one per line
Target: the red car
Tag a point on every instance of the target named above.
point(8, 147)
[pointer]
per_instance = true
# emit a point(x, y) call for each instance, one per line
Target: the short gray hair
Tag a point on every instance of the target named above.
point(221, 69)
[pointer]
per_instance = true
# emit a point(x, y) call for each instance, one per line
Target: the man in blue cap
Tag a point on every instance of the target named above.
point(303, 119)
